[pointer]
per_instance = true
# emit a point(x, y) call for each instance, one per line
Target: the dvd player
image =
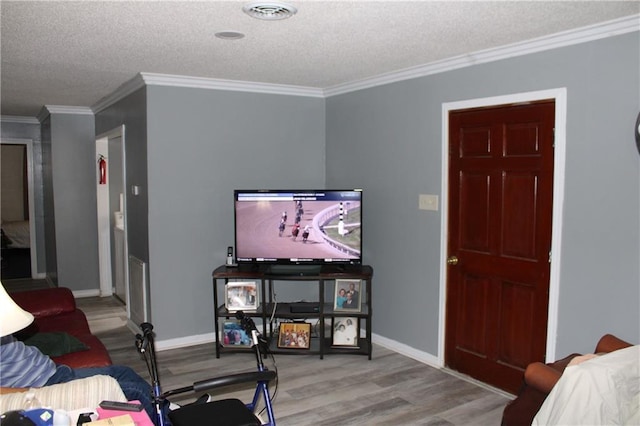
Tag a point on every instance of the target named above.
point(304, 308)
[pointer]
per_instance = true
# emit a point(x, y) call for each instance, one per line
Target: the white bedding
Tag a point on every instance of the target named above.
point(18, 233)
point(604, 390)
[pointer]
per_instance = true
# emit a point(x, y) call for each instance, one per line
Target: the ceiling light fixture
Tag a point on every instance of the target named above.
point(229, 35)
point(270, 11)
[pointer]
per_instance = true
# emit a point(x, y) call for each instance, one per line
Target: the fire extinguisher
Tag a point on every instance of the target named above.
point(102, 168)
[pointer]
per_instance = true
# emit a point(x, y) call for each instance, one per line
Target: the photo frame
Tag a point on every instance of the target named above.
point(294, 335)
point(348, 296)
point(345, 332)
point(241, 296)
point(233, 335)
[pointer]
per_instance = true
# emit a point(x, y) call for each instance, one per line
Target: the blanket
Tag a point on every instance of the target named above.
point(603, 390)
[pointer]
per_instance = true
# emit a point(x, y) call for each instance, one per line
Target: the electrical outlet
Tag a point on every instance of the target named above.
point(428, 202)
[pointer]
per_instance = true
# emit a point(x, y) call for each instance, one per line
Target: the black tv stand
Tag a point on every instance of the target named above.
point(321, 311)
point(344, 268)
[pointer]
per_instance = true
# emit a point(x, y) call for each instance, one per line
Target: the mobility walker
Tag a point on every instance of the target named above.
point(226, 412)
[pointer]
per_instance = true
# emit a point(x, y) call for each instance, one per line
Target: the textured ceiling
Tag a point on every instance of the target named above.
point(76, 53)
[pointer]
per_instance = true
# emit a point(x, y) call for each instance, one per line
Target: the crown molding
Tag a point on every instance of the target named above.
point(121, 92)
point(18, 119)
point(153, 79)
point(566, 38)
point(63, 109)
point(47, 110)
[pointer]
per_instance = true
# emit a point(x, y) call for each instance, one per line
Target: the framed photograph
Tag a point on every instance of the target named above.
point(348, 295)
point(345, 332)
point(241, 296)
point(234, 335)
point(294, 335)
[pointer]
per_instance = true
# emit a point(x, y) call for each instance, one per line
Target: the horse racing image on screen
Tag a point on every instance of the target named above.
point(298, 227)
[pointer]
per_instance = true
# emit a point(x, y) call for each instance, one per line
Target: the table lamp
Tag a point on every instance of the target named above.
point(12, 317)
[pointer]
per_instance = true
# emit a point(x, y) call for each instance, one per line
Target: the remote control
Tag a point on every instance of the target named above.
point(86, 418)
point(121, 406)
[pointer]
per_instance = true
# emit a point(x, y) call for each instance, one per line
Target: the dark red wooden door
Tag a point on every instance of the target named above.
point(500, 195)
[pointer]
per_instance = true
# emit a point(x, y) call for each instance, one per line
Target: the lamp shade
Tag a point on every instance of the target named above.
point(12, 317)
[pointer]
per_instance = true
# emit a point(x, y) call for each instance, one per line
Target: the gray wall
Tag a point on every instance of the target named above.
point(65, 196)
point(132, 112)
point(388, 141)
point(116, 182)
point(48, 203)
point(188, 149)
point(21, 130)
point(203, 144)
point(73, 165)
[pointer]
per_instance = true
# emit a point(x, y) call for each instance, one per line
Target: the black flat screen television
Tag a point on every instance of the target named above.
point(298, 227)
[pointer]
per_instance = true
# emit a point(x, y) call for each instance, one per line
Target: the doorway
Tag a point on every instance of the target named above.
point(19, 251)
point(499, 278)
point(111, 207)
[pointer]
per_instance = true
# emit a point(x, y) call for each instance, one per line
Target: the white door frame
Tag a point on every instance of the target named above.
point(560, 97)
point(30, 194)
point(104, 215)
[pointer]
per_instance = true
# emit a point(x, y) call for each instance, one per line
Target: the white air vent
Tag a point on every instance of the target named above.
point(270, 11)
point(138, 291)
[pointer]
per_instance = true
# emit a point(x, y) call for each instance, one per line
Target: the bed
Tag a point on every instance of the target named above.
point(16, 234)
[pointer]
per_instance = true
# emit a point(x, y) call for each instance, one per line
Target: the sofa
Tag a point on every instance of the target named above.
point(540, 379)
point(60, 329)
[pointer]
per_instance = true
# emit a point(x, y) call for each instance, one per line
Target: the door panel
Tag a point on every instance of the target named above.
point(474, 224)
point(500, 192)
point(518, 212)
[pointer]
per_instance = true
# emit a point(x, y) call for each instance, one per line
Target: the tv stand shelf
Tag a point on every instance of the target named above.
point(267, 309)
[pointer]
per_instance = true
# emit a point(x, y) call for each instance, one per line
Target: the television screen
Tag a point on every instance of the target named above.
point(298, 226)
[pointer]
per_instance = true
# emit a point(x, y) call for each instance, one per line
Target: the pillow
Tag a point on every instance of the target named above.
point(55, 343)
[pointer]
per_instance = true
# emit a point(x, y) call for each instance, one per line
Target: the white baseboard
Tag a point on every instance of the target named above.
point(79, 294)
point(401, 348)
point(181, 342)
point(435, 362)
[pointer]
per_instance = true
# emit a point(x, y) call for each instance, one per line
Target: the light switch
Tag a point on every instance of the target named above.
point(428, 202)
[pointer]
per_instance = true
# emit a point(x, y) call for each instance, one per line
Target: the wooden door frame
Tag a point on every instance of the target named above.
point(559, 95)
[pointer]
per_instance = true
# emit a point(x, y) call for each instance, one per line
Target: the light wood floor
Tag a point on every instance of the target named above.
point(391, 389)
